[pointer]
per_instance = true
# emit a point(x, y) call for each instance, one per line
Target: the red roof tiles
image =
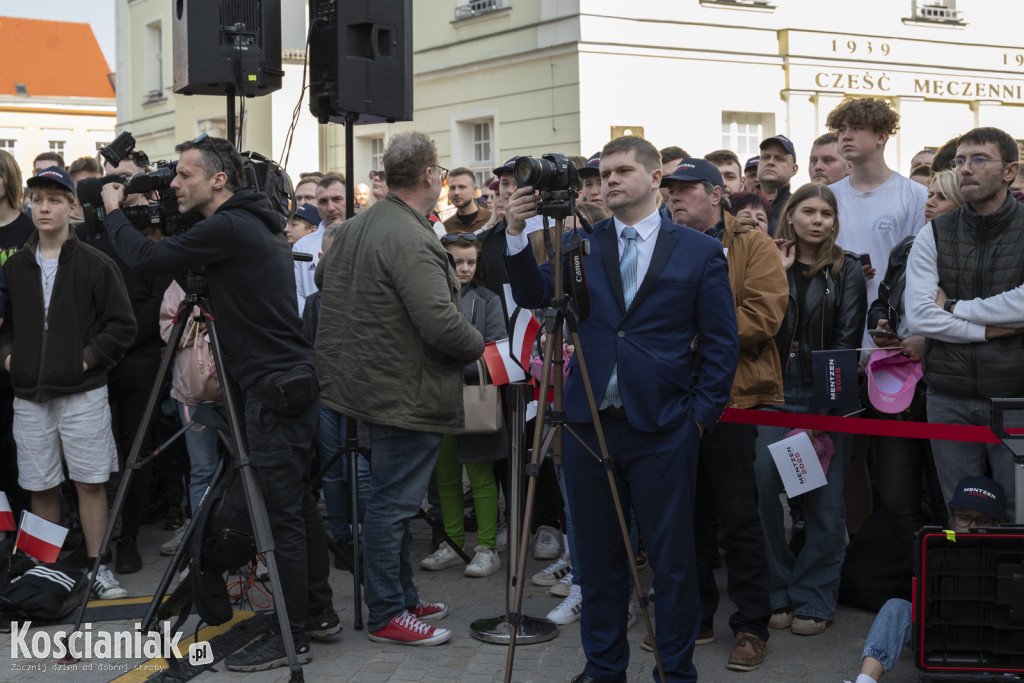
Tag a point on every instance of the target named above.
point(52, 59)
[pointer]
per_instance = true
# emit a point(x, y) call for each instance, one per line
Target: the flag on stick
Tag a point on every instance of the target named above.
point(522, 330)
point(39, 538)
point(500, 364)
point(6, 514)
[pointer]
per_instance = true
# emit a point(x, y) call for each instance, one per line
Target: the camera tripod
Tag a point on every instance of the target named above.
point(559, 316)
point(196, 291)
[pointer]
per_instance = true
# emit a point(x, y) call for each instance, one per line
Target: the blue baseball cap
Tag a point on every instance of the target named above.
point(752, 162)
point(980, 494)
point(786, 143)
point(507, 167)
point(52, 176)
point(695, 170)
point(593, 165)
point(308, 212)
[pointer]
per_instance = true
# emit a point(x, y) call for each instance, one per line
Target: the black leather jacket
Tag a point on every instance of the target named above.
point(836, 305)
point(889, 304)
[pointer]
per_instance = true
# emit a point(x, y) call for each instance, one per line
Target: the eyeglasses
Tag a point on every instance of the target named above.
point(442, 170)
point(965, 521)
point(978, 162)
point(376, 175)
point(456, 236)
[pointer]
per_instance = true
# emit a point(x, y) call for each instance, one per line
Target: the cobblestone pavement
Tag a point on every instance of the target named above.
point(830, 657)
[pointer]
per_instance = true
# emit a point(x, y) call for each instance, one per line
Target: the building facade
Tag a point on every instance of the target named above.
point(498, 78)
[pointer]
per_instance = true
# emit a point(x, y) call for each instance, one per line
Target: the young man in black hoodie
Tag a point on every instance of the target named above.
point(241, 247)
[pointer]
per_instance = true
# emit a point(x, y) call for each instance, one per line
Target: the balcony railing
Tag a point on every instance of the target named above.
point(477, 7)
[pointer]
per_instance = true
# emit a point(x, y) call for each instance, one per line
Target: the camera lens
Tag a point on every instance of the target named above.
point(532, 172)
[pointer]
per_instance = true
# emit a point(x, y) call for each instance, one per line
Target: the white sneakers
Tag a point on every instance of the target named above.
point(106, 587)
point(553, 573)
point(561, 589)
point(548, 545)
point(442, 558)
point(570, 608)
point(485, 563)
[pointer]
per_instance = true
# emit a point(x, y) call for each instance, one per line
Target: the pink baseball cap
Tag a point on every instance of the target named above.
point(823, 446)
point(892, 378)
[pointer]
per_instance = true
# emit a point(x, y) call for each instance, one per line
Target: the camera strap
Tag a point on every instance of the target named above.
point(575, 249)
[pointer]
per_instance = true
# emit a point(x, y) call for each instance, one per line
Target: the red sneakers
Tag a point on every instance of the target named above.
point(405, 629)
point(429, 611)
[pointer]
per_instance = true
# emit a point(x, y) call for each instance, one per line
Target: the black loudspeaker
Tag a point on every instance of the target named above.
point(360, 60)
point(226, 47)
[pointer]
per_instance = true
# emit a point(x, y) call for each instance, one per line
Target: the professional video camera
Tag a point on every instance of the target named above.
point(261, 175)
point(557, 180)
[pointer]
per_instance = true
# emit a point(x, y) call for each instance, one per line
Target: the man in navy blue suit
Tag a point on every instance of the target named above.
point(661, 349)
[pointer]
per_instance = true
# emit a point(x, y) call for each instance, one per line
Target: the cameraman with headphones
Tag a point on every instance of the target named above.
point(247, 261)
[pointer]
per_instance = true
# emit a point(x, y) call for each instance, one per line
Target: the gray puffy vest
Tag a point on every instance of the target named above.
point(978, 257)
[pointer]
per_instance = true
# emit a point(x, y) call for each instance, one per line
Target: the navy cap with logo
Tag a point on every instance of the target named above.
point(786, 143)
point(752, 162)
point(593, 166)
point(980, 494)
point(308, 212)
point(695, 170)
point(507, 167)
point(52, 176)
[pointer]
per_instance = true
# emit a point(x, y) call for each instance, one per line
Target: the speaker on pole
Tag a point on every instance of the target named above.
point(360, 60)
point(227, 47)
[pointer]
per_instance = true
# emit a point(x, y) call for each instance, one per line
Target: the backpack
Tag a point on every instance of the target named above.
point(44, 592)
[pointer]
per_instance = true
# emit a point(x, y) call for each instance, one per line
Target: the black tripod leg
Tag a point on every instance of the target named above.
point(132, 462)
point(254, 498)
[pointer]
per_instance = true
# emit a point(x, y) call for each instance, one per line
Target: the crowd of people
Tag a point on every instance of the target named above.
point(712, 283)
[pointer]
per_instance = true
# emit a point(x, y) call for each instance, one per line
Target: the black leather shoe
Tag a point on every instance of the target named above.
point(584, 678)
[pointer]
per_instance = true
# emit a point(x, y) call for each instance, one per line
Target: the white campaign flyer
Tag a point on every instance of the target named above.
point(798, 464)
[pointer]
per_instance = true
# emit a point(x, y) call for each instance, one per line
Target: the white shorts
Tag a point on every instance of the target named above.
point(79, 425)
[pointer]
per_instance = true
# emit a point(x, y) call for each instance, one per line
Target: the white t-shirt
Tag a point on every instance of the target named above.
point(304, 270)
point(875, 221)
point(47, 274)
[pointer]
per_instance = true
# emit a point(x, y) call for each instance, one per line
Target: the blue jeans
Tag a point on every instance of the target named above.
point(955, 460)
point(402, 463)
point(890, 633)
point(809, 582)
point(201, 443)
point(335, 481)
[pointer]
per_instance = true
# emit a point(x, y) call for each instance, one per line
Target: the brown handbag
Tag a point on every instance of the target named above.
point(482, 404)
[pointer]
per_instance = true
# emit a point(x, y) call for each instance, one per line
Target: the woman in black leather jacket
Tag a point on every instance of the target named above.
point(827, 304)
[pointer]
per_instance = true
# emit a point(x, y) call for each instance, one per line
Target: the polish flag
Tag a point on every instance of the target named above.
point(6, 514)
point(523, 333)
point(39, 538)
point(500, 364)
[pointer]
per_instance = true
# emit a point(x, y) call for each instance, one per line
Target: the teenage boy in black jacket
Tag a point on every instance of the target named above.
point(67, 322)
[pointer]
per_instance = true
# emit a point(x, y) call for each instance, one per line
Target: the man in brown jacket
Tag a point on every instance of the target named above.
point(725, 470)
point(468, 216)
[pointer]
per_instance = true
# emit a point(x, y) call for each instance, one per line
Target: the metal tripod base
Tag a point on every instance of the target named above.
point(498, 630)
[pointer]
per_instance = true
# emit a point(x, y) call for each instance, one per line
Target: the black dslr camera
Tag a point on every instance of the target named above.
point(162, 211)
point(557, 180)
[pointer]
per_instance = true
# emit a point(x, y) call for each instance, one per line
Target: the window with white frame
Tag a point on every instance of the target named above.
point(153, 67)
point(8, 145)
point(376, 152)
point(743, 132)
point(57, 146)
point(482, 142)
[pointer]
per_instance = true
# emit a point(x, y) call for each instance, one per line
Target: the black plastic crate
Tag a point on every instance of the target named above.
point(969, 602)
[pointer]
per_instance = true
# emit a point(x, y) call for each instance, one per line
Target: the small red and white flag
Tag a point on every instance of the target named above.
point(6, 514)
point(39, 538)
point(500, 364)
point(523, 331)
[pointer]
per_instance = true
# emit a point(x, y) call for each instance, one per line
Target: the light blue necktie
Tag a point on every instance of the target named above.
point(627, 271)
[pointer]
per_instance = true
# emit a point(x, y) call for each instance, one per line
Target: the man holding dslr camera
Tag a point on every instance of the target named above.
point(240, 247)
